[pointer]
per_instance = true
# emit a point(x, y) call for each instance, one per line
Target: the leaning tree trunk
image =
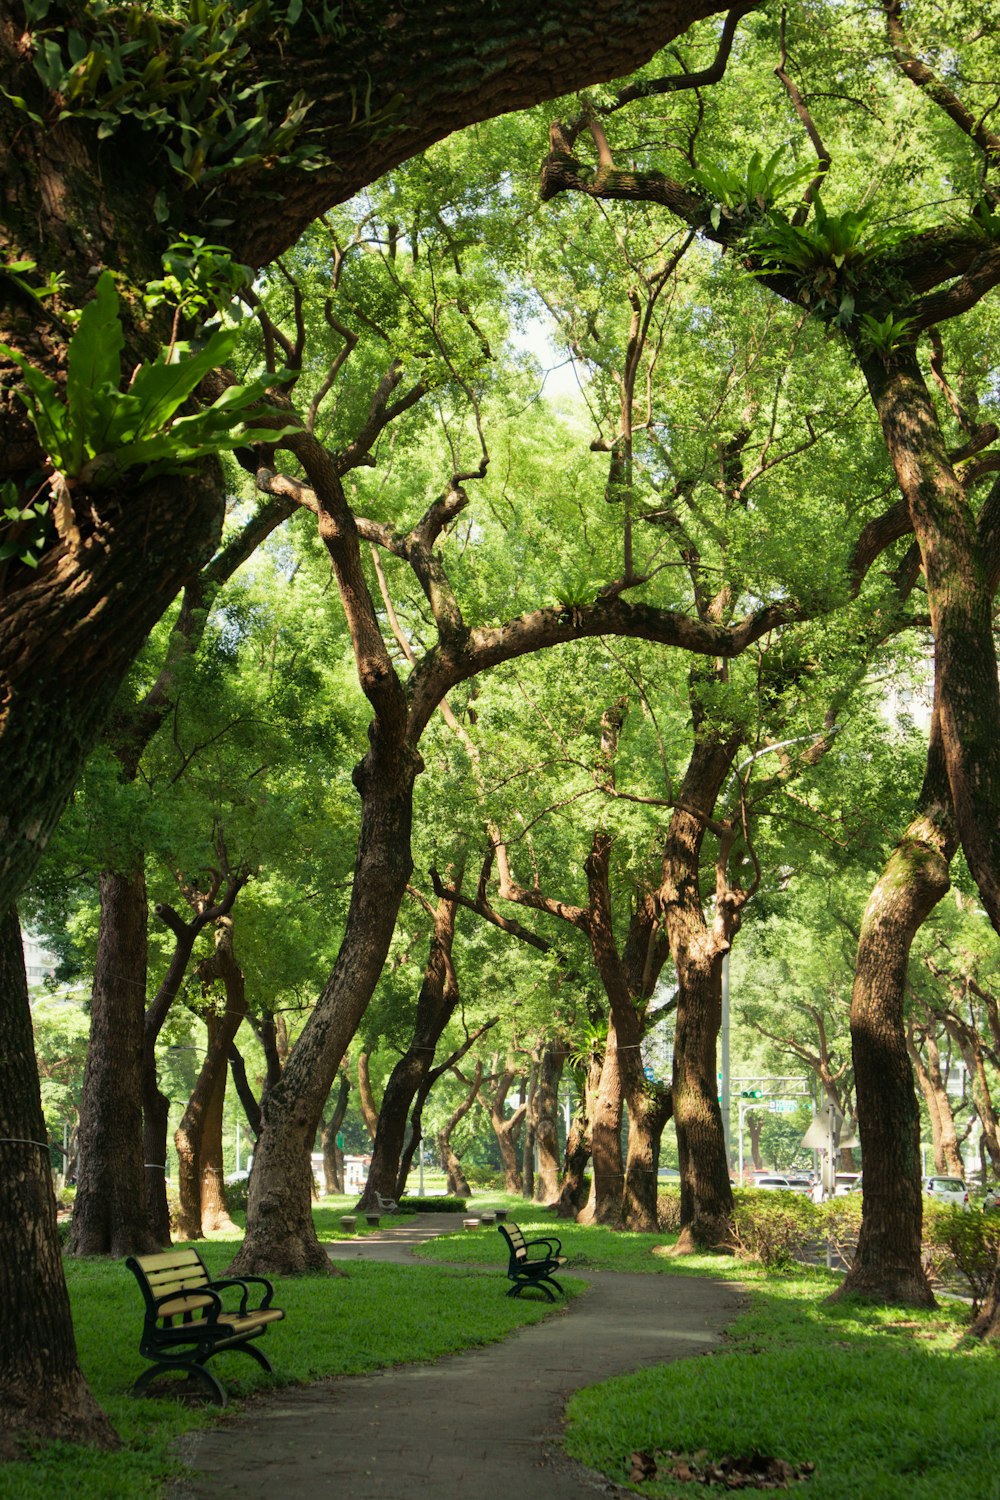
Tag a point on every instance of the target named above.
point(43, 1395)
point(457, 1183)
point(436, 1002)
point(960, 599)
point(529, 1090)
point(109, 1214)
point(366, 1095)
point(333, 1157)
point(190, 1134)
point(281, 1237)
point(887, 1265)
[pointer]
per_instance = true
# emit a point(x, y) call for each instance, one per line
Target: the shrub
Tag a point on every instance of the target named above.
point(839, 1221)
point(484, 1176)
point(432, 1205)
point(774, 1228)
point(967, 1243)
point(668, 1210)
point(236, 1195)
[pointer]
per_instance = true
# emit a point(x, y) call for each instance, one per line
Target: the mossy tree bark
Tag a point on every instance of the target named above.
point(43, 1395)
point(887, 1266)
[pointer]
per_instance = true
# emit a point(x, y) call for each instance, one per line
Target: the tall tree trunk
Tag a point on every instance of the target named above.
point(281, 1237)
point(607, 1188)
point(457, 1183)
point(960, 598)
point(529, 1089)
point(550, 1068)
point(887, 1266)
point(42, 1392)
point(947, 1157)
point(109, 1214)
point(333, 1157)
point(155, 1104)
point(366, 1094)
point(222, 1029)
point(697, 950)
point(572, 1197)
point(646, 1122)
point(436, 1002)
point(755, 1124)
point(214, 1209)
point(507, 1130)
point(706, 1194)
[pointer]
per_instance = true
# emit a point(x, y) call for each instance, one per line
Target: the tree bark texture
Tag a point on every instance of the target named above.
point(944, 1137)
point(960, 598)
point(222, 1028)
point(572, 1195)
point(507, 1130)
point(550, 1068)
point(887, 1266)
point(42, 1392)
point(281, 1237)
point(607, 1188)
point(697, 950)
point(333, 1157)
point(436, 1002)
point(109, 1214)
point(366, 1094)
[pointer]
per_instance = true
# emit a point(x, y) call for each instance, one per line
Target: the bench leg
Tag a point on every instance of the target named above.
point(250, 1349)
point(539, 1282)
point(192, 1367)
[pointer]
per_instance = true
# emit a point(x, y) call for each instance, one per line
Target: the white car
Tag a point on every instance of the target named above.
point(947, 1190)
point(774, 1183)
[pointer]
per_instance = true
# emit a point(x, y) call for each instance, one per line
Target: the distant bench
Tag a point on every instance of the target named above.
point(525, 1269)
point(187, 1321)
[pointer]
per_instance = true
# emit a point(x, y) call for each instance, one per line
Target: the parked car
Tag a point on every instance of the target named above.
point(846, 1182)
point(947, 1190)
point(773, 1182)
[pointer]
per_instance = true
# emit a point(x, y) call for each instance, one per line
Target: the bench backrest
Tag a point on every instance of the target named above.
point(515, 1239)
point(180, 1271)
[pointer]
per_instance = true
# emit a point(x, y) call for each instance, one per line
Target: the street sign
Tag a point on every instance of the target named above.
point(783, 1106)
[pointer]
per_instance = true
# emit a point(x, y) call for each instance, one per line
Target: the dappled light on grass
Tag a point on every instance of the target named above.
point(887, 1406)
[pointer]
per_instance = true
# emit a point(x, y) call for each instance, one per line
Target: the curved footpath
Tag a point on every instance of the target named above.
point(488, 1419)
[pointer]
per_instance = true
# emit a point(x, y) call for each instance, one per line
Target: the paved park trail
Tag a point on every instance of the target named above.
point(487, 1421)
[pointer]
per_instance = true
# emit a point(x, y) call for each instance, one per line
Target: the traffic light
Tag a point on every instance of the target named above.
point(751, 1093)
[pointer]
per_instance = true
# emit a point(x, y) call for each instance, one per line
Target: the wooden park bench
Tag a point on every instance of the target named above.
point(187, 1321)
point(525, 1269)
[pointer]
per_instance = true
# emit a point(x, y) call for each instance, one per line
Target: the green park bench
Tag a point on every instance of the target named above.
point(187, 1321)
point(525, 1269)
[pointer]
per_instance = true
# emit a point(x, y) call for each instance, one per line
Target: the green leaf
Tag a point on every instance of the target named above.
point(162, 388)
point(93, 362)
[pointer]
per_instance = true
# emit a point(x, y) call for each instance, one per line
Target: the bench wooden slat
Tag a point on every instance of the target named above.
point(187, 1321)
point(525, 1269)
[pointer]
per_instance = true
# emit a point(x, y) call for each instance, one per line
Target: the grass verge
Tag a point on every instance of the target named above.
point(887, 1404)
point(374, 1316)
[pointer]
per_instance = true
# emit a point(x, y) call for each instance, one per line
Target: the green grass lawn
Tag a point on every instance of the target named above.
point(887, 1404)
point(373, 1316)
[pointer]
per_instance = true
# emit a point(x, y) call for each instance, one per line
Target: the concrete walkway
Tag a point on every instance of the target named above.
point(486, 1420)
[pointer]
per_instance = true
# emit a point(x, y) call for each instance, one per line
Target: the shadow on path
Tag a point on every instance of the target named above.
point(488, 1419)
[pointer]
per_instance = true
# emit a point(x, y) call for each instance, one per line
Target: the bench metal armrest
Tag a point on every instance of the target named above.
point(246, 1282)
point(555, 1246)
